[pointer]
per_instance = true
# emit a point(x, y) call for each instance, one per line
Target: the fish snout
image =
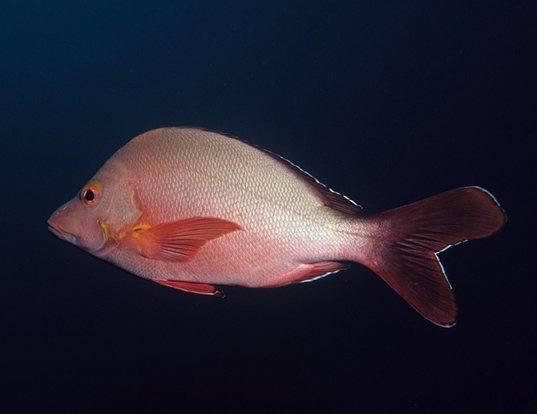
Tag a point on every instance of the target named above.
point(57, 227)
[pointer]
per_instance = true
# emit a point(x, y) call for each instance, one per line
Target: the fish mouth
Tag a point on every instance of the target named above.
point(59, 232)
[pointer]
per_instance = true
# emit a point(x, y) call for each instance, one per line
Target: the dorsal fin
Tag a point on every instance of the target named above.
point(329, 197)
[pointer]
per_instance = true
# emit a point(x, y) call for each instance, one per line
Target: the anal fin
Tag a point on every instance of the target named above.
point(191, 287)
point(308, 272)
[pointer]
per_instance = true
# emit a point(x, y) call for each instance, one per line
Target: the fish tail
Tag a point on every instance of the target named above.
point(404, 242)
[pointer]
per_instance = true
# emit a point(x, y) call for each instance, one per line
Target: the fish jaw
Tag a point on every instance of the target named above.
point(56, 225)
point(55, 229)
point(75, 224)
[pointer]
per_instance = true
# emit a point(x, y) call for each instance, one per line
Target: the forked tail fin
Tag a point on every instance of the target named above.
point(406, 240)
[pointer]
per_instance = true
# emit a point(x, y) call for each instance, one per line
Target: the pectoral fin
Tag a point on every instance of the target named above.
point(180, 240)
point(199, 288)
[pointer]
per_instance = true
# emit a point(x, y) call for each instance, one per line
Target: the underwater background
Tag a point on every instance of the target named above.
point(387, 102)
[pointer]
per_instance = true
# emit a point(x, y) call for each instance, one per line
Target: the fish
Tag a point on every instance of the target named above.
point(195, 210)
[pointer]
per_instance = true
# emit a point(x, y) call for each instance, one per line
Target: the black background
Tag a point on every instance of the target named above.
point(385, 101)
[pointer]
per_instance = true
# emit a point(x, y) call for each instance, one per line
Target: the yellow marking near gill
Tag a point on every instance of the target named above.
point(139, 228)
point(107, 236)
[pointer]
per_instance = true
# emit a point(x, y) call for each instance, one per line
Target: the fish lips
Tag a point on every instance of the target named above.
point(57, 231)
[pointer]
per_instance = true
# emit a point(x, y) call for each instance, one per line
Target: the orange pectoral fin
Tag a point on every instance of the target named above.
point(199, 288)
point(180, 240)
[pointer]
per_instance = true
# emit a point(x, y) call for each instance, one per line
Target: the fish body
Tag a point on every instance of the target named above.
point(283, 221)
point(192, 209)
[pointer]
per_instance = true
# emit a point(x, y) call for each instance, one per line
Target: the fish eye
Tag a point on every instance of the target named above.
point(90, 193)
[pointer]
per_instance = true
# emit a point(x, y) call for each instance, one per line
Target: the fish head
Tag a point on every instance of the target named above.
point(94, 218)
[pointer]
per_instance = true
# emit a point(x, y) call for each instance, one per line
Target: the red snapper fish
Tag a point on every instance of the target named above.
point(192, 209)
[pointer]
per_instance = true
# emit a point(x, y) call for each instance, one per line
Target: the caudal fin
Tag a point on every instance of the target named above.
point(406, 240)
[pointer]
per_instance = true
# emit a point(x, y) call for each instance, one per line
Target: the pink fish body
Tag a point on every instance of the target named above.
point(191, 209)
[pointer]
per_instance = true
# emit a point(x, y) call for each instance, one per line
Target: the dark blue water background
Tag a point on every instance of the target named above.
point(386, 101)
